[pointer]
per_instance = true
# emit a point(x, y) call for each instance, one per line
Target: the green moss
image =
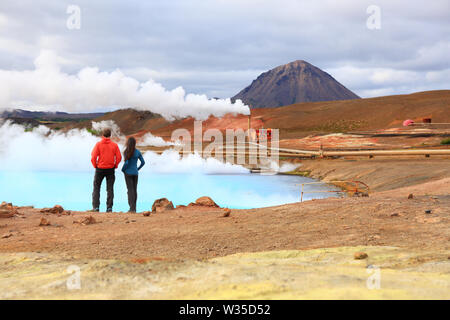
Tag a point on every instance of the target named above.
point(446, 141)
point(297, 173)
point(93, 132)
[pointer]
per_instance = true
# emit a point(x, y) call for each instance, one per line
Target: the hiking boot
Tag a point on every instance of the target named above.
point(95, 210)
point(109, 210)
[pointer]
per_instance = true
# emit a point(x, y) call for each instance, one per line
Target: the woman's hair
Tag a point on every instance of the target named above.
point(129, 150)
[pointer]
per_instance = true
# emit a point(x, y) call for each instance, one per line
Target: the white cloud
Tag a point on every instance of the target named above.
point(187, 42)
point(48, 88)
point(372, 82)
point(3, 21)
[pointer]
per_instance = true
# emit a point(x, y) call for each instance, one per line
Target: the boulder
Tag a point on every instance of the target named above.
point(86, 220)
point(4, 213)
point(161, 205)
point(226, 212)
point(204, 202)
point(56, 209)
point(7, 210)
point(360, 255)
point(44, 222)
point(5, 205)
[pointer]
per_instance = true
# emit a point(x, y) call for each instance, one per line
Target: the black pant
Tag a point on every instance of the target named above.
point(132, 181)
point(98, 179)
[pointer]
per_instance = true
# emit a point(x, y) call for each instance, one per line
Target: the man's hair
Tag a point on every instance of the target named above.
point(107, 133)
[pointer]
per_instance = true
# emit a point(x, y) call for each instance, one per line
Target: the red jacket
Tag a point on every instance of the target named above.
point(106, 154)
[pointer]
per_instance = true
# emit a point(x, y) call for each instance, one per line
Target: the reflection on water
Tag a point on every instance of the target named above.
point(73, 190)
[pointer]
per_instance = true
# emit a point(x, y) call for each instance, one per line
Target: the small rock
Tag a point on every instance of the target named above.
point(56, 209)
point(7, 213)
point(410, 196)
point(204, 202)
point(360, 255)
point(7, 235)
point(6, 205)
point(359, 194)
point(161, 205)
point(427, 211)
point(146, 213)
point(226, 212)
point(395, 214)
point(86, 220)
point(7, 210)
point(44, 222)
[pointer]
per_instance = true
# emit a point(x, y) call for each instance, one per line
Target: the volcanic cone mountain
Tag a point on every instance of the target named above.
point(298, 81)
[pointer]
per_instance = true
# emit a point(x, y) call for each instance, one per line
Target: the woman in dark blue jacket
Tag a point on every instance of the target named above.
point(131, 171)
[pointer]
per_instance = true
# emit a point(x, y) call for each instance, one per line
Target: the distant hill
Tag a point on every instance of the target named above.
point(305, 118)
point(353, 115)
point(298, 81)
point(130, 120)
point(44, 115)
point(297, 120)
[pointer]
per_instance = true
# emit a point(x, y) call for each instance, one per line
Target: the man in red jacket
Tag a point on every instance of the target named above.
point(105, 159)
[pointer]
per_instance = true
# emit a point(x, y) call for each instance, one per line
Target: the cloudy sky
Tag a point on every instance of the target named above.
point(217, 47)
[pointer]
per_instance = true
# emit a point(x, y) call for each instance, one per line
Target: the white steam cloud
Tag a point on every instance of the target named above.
point(150, 140)
point(48, 88)
point(45, 150)
point(106, 124)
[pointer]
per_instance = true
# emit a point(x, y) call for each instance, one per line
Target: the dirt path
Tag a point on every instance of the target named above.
point(200, 234)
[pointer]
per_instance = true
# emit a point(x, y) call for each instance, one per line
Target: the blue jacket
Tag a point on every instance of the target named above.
point(130, 166)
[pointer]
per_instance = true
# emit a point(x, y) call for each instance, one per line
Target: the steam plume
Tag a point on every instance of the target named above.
point(48, 88)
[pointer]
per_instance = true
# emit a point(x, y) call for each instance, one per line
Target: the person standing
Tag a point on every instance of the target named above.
point(105, 158)
point(131, 171)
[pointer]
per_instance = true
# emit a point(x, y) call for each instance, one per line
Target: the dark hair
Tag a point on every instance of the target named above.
point(129, 150)
point(107, 133)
